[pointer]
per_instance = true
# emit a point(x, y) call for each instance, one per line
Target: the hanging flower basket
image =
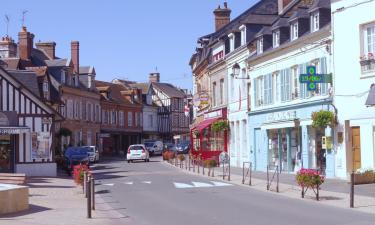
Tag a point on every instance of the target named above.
point(309, 179)
point(323, 118)
point(220, 125)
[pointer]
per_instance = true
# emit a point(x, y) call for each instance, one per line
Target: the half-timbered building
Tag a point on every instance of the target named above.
point(26, 126)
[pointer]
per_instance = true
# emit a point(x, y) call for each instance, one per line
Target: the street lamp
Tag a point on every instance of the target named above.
point(297, 123)
point(236, 70)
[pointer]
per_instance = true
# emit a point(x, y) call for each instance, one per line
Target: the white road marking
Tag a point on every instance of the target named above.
point(129, 182)
point(146, 182)
point(182, 185)
point(220, 184)
point(201, 184)
point(108, 184)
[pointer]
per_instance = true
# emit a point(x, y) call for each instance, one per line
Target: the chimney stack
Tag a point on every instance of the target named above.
point(26, 42)
point(222, 16)
point(282, 4)
point(154, 77)
point(48, 48)
point(8, 49)
point(75, 56)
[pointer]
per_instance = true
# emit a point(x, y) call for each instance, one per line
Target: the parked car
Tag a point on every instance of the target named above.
point(169, 147)
point(183, 148)
point(154, 147)
point(93, 153)
point(75, 156)
point(137, 152)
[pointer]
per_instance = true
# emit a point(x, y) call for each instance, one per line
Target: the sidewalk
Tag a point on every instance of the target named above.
point(58, 201)
point(333, 192)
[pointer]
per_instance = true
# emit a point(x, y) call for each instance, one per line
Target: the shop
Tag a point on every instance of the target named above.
point(117, 143)
point(206, 142)
point(286, 139)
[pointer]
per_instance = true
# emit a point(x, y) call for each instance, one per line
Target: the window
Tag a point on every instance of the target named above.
point(103, 116)
point(285, 83)
point(276, 38)
point(258, 91)
point(97, 113)
point(63, 76)
point(214, 93)
point(267, 89)
point(367, 58)
point(113, 117)
point(294, 31)
point(121, 118)
point(221, 91)
point(248, 96)
point(130, 119)
point(295, 88)
point(243, 34)
point(231, 42)
point(314, 22)
point(276, 84)
point(89, 81)
point(260, 46)
point(45, 90)
point(136, 119)
point(76, 110)
point(89, 138)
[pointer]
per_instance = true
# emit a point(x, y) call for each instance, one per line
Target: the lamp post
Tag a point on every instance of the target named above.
point(236, 70)
point(297, 123)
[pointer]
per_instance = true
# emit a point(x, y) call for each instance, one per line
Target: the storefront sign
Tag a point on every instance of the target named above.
point(104, 135)
point(214, 114)
point(13, 130)
point(201, 100)
point(326, 142)
point(281, 116)
point(40, 143)
point(312, 78)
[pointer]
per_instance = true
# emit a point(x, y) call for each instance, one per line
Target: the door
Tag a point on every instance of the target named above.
point(6, 154)
point(356, 147)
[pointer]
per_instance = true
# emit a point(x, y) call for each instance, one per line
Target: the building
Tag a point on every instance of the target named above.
point(121, 117)
point(26, 126)
point(354, 67)
point(281, 131)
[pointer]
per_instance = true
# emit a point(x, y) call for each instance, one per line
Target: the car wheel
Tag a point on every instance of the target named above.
point(148, 160)
point(128, 161)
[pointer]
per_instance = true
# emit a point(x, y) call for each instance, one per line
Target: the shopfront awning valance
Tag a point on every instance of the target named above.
point(371, 96)
point(204, 124)
point(14, 130)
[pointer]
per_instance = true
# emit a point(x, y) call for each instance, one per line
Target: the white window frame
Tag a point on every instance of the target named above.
point(243, 34)
point(276, 38)
point(294, 31)
point(63, 76)
point(260, 45)
point(314, 21)
point(130, 119)
point(231, 42)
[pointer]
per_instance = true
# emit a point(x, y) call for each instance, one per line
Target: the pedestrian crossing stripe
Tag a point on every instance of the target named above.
point(201, 185)
point(146, 182)
point(129, 182)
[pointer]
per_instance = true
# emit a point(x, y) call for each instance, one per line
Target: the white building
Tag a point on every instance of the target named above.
point(354, 69)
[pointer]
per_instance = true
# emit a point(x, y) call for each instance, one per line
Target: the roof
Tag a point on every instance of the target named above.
point(318, 4)
point(299, 13)
point(57, 62)
point(115, 90)
point(10, 63)
point(260, 19)
point(28, 79)
point(282, 22)
point(169, 90)
point(264, 31)
point(86, 70)
point(145, 87)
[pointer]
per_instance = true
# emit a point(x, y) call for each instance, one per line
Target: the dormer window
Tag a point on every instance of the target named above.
point(243, 34)
point(231, 42)
point(276, 38)
point(46, 90)
point(294, 31)
point(314, 21)
point(63, 76)
point(260, 45)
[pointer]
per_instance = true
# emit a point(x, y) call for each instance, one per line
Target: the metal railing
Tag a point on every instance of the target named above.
point(246, 172)
point(270, 181)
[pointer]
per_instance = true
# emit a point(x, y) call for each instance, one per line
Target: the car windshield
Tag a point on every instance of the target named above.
point(149, 144)
point(136, 147)
point(89, 149)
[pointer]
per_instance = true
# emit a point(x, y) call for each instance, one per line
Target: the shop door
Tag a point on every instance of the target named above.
point(356, 147)
point(6, 154)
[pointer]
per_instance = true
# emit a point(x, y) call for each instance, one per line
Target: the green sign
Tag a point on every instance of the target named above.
point(312, 78)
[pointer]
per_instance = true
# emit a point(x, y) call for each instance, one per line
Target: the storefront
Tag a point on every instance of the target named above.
point(204, 140)
point(116, 143)
point(286, 138)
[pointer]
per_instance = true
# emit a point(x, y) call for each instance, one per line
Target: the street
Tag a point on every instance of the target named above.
point(155, 193)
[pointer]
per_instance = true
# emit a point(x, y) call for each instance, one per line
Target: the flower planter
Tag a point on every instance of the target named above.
point(364, 178)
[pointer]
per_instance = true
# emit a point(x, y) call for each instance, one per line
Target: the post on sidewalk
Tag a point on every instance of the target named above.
point(199, 160)
point(229, 170)
point(268, 179)
point(277, 177)
point(193, 164)
point(251, 169)
point(92, 182)
point(89, 199)
point(84, 183)
point(243, 172)
point(189, 162)
point(223, 170)
point(352, 190)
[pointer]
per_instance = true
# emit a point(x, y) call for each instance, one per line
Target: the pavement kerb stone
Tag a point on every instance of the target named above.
point(336, 199)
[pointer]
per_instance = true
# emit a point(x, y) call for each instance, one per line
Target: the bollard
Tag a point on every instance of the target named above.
point(88, 200)
point(223, 171)
point(92, 193)
point(277, 184)
point(84, 183)
point(268, 179)
point(229, 170)
point(243, 173)
point(352, 190)
point(203, 169)
point(213, 172)
point(198, 166)
point(193, 165)
point(189, 162)
point(251, 169)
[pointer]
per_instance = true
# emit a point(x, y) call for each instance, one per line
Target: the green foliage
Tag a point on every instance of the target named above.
point(220, 125)
point(64, 132)
point(322, 119)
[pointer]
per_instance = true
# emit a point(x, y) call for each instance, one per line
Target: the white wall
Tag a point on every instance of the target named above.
point(147, 126)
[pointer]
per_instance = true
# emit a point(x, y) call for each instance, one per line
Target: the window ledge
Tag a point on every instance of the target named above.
point(367, 74)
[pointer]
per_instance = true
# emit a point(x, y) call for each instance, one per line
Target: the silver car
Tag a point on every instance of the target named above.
point(137, 152)
point(93, 153)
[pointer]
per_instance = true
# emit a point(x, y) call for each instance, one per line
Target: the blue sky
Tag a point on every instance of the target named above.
point(122, 38)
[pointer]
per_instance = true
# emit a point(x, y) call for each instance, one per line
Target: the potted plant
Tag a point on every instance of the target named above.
point(210, 164)
point(79, 172)
point(220, 125)
point(309, 179)
point(323, 118)
point(364, 176)
point(196, 133)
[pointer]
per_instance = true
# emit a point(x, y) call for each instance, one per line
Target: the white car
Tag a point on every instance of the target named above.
point(154, 147)
point(93, 153)
point(137, 152)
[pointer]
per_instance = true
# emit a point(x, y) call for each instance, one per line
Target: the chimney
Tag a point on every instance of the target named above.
point(282, 4)
point(222, 16)
point(48, 48)
point(26, 41)
point(75, 56)
point(154, 77)
point(8, 49)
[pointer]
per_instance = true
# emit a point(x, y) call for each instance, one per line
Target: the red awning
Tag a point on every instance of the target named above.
point(206, 123)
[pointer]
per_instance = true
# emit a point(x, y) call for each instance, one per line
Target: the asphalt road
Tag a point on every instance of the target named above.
point(156, 194)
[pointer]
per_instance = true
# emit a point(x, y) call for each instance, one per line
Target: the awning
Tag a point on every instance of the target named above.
point(14, 130)
point(205, 123)
point(371, 96)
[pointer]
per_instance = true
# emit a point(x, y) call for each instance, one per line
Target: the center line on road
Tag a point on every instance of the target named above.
point(146, 182)
point(128, 182)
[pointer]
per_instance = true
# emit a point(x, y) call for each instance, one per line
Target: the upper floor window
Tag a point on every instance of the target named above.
point(314, 22)
point(231, 42)
point(258, 91)
point(260, 45)
point(268, 98)
point(63, 76)
point(294, 31)
point(368, 48)
point(214, 94)
point(276, 38)
point(218, 56)
point(243, 34)
point(130, 119)
point(285, 83)
point(221, 91)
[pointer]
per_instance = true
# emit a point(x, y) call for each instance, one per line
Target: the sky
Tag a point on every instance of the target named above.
point(126, 39)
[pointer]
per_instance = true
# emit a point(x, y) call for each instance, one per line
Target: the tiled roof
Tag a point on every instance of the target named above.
point(28, 79)
point(299, 13)
point(169, 90)
point(264, 31)
point(260, 19)
point(145, 87)
point(115, 90)
point(10, 63)
point(318, 4)
point(86, 69)
point(56, 62)
point(282, 22)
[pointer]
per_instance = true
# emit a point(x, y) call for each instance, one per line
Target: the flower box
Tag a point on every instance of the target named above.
point(364, 178)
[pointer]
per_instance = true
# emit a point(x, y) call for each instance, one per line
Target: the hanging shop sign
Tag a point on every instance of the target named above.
point(326, 142)
point(281, 116)
point(312, 78)
point(214, 114)
point(201, 100)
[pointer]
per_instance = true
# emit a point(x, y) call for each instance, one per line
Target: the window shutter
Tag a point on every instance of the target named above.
point(302, 87)
point(323, 70)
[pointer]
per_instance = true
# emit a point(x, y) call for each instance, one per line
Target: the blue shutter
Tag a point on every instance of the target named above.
point(255, 92)
point(288, 84)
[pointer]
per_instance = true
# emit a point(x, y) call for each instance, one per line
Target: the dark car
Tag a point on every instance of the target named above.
point(169, 147)
point(183, 148)
point(75, 156)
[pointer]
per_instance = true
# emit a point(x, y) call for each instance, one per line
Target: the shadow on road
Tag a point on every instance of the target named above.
point(32, 209)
